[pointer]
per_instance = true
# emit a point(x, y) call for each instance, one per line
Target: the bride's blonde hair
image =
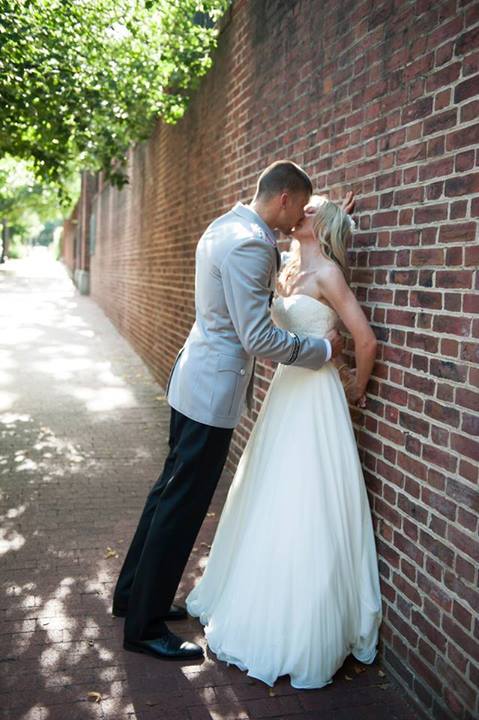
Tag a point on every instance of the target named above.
point(332, 229)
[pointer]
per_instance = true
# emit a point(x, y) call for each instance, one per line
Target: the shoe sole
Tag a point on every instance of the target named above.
point(144, 651)
point(169, 618)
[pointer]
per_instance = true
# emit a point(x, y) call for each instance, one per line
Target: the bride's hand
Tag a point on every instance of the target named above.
point(361, 403)
point(349, 202)
point(353, 394)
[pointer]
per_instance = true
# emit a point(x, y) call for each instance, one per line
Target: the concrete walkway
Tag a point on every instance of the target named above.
point(83, 432)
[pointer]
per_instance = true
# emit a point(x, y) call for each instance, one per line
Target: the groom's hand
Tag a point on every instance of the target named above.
point(336, 342)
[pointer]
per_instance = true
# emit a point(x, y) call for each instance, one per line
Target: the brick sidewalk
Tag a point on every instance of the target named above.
point(83, 433)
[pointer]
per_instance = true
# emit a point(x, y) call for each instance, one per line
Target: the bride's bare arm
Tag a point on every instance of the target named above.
point(334, 288)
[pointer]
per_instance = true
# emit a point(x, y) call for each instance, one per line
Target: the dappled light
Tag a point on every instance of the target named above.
point(83, 431)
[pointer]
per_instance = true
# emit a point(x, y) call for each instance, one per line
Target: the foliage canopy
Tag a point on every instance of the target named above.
point(80, 80)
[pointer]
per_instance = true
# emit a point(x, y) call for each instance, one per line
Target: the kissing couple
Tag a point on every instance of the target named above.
point(291, 586)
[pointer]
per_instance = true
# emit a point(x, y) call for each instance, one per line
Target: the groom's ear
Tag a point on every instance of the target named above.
point(283, 200)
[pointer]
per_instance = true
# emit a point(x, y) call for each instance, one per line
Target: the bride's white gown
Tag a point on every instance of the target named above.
point(291, 586)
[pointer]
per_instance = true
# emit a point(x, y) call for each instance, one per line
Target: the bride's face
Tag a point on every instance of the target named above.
point(304, 229)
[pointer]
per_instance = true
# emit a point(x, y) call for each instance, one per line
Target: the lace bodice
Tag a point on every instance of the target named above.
point(304, 315)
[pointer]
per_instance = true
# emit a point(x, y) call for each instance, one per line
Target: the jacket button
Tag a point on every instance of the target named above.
point(242, 371)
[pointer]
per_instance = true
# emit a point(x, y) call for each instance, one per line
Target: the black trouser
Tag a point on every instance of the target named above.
point(174, 511)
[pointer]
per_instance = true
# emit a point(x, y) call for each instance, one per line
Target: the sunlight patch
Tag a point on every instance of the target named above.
point(63, 368)
point(7, 400)
point(10, 540)
point(11, 418)
point(104, 399)
point(37, 712)
point(15, 512)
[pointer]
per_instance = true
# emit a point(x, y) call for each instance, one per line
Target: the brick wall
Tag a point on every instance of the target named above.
point(381, 97)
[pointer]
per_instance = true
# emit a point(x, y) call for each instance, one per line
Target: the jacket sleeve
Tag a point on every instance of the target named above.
point(245, 273)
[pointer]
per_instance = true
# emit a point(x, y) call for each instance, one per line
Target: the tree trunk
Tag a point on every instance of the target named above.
point(5, 235)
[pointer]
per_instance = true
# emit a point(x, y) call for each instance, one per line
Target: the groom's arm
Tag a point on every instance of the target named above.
point(245, 273)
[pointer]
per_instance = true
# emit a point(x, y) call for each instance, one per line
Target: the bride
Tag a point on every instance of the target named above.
point(291, 586)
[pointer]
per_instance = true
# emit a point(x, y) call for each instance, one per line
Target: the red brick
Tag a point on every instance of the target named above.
point(458, 209)
point(439, 457)
point(453, 302)
point(462, 138)
point(414, 424)
point(435, 636)
point(460, 232)
point(420, 109)
point(411, 152)
point(401, 317)
point(470, 111)
point(429, 343)
point(436, 548)
point(462, 185)
point(412, 466)
point(413, 509)
point(431, 213)
point(462, 615)
point(465, 90)
point(452, 325)
point(434, 592)
point(434, 256)
point(464, 161)
point(454, 279)
point(467, 42)
point(440, 122)
point(384, 219)
point(466, 446)
point(454, 258)
point(471, 304)
point(470, 424)
point(443, 413)
point(467, 398)
point(397, 355)
point(467, 520)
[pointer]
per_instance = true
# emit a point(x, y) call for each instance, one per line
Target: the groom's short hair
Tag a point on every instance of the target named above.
point(283, 176)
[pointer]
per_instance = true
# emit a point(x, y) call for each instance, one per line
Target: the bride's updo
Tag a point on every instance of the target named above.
point(332, 229)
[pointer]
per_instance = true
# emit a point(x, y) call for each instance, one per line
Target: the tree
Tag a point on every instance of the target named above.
point(26, 206)
point(80, 80)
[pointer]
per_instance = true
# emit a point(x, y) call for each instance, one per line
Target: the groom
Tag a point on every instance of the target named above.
point(236, 264)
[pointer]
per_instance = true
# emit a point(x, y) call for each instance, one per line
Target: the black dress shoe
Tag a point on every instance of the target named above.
point(119, 611)
point(175, 612)
point(166, 647)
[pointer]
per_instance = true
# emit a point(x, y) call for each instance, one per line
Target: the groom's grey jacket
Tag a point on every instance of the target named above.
point(236, 265)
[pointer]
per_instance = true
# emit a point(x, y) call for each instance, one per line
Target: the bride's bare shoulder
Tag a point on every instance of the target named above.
point(329, 276)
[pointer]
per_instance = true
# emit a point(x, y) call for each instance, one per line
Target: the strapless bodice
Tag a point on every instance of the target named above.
point(303, 315)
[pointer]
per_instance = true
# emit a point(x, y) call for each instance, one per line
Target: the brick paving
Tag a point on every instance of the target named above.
point(83, 433)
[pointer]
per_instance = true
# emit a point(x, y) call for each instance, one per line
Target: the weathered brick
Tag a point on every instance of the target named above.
point(435, 636)
point(466, 446)
point(462, 138)
point(440, 122)
point(432, 213)
point(414, 424)
point(428, 257)
point(443, 459)
point(443, 413)
point(459, 232)
point(465, 90)
point(453, 326)
point(462, 185)
point(454, 279)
